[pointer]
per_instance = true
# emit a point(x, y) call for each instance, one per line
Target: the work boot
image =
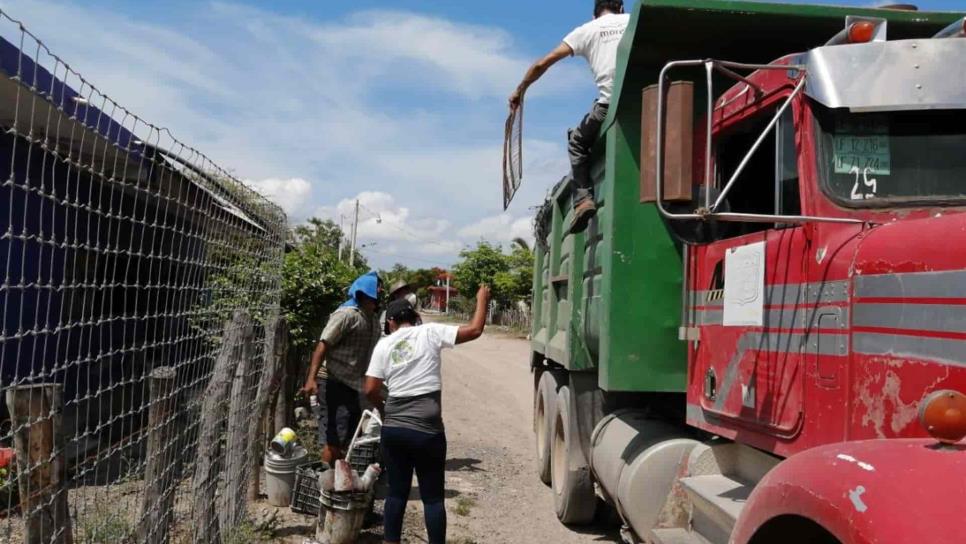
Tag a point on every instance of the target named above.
point(583, 211)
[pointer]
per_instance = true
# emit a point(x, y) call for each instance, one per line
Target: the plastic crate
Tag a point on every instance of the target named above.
point(364, 455)
point(305, 492)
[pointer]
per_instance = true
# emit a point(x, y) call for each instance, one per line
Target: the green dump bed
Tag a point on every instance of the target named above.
point(609, 298)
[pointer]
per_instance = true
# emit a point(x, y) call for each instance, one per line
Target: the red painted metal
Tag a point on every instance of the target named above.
point(862, 492)
point(806, 396)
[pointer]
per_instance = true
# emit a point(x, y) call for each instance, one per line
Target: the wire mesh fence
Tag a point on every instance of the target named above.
point(140, 335)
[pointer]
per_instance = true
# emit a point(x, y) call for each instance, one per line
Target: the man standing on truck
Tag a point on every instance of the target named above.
point(345, 347)
point(596, 42)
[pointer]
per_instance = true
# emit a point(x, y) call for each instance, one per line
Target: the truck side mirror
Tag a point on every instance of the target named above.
point(678, 143)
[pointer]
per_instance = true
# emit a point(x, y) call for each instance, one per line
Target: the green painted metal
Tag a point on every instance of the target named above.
point(610, 297)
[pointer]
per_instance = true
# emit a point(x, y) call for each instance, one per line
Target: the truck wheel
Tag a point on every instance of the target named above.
point(573, 489)
point(544, 413)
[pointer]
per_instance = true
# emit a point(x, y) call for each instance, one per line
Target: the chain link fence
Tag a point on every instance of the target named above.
point(140, 336)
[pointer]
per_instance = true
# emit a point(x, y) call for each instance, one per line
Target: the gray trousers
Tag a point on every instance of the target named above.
point(580, 144)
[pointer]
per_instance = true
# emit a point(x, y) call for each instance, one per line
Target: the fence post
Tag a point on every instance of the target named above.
point(236, 342)
point(276, 348)
point(285, 403)
point(158, 500)
point(35, 413)
point(240, 414)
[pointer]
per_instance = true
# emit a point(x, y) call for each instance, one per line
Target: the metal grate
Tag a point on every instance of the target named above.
point(140, 301)
point(512, 154)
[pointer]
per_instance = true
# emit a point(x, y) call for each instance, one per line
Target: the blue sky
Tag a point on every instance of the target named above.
point(316, 103)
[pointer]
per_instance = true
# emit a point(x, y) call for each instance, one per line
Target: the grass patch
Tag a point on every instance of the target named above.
point(104, 526)
point(463, 506)
point(247, 533)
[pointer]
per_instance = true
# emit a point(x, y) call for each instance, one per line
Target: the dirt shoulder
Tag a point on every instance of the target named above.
point(493, 493)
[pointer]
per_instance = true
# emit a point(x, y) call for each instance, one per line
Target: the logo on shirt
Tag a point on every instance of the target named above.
point(401, 353)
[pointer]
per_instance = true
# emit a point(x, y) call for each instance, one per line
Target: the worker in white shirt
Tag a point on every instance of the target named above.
point(413, 439)
point(595, 41)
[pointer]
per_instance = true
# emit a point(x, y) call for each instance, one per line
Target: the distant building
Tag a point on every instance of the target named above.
point(438, 292)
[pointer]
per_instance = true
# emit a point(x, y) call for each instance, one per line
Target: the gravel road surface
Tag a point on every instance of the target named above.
point(493, 493)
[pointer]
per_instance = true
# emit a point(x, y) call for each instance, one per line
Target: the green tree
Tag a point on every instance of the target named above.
point(478, 265)
point(314, 281)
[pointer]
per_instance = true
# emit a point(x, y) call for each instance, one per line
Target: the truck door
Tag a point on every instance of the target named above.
point(750, 289)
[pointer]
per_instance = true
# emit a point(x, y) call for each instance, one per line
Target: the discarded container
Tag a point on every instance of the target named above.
point(280, 475)
point(364, 455)
point(305, 491)
point(283, 442)
point(316, 407)
point(342, 516)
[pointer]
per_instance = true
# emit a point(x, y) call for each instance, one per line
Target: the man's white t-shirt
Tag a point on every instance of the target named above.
point(408, 359)
point(597, 42)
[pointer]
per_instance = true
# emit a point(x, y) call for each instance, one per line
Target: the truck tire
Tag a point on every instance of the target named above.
point(544, 413)
point(573, 488)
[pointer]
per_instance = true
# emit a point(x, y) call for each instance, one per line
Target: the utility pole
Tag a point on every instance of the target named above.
point(341, 235)
point(447, 293)
point(352, 244)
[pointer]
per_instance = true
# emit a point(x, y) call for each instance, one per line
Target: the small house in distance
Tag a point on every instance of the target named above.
point(442, 292)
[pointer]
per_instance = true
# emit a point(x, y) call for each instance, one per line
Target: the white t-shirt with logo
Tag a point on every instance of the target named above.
point(409, 359)
point(597, 42)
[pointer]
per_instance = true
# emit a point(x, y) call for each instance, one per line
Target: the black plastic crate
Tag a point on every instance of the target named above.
point(364, 455)
point(305, 491)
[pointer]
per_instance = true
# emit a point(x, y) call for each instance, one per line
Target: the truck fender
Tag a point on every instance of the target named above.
point(863, 492)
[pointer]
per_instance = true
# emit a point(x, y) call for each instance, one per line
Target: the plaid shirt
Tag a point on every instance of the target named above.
point(349, 336)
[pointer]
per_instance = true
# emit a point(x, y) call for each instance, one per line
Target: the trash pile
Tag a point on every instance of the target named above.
point(346, 490)
point(282, 459)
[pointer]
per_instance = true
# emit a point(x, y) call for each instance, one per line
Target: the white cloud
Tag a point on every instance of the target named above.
point(500, 228)
point(311, 109)
point(291, 194)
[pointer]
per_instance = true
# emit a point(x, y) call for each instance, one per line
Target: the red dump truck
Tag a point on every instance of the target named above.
point(761, 337)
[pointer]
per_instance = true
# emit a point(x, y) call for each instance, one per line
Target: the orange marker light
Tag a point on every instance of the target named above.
point(943, 415)
point(861, 32)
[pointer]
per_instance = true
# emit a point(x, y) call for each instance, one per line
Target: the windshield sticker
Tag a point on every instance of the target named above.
point(866, 152)
point(862, 143)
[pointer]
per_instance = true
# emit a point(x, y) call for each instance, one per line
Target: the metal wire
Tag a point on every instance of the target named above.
point(124, 253)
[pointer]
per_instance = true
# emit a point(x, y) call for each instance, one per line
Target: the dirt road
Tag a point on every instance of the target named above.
point(487, 408)
point(493, 493)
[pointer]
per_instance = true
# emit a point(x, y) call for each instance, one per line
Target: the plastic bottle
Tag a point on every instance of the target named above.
point(368, 478)
point(316, 409)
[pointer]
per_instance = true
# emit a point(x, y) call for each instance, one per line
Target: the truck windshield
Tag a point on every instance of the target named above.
point(894, 158)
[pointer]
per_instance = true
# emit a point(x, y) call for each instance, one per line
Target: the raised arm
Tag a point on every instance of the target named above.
point(538, 69)
point(474, 328)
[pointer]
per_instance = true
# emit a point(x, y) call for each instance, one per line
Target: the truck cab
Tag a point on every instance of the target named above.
point(753, 339)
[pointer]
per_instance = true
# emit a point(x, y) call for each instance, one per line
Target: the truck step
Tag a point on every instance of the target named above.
point(717, 501)
point(675, 536)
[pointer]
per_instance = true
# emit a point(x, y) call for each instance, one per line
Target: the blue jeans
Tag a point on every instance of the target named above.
point(405, 450)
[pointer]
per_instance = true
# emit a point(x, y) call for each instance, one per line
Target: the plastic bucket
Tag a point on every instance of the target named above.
point(280, 475)
point(342, 516)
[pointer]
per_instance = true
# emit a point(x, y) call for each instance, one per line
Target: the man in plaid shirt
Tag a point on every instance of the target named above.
point(345, 346)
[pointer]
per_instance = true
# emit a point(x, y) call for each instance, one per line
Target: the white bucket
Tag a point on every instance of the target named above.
point(280, 475)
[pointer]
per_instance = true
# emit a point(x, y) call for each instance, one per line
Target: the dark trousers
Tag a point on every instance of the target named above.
point(580, 144)
point(341, 415)
point(405, 450)
point(339, 395)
